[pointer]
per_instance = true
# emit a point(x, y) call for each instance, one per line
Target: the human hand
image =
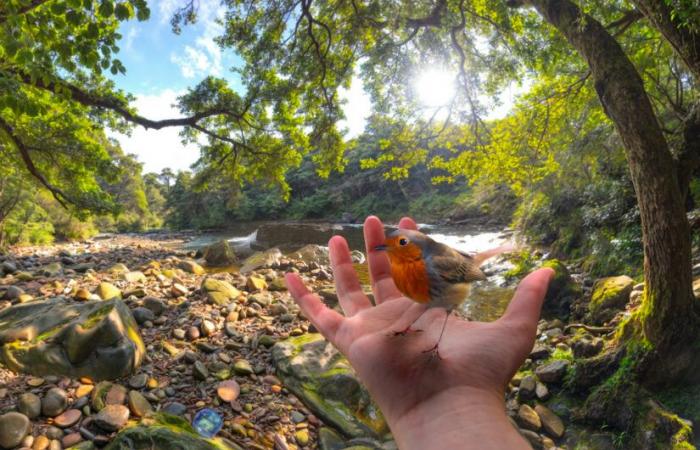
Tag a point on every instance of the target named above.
point(428, 402)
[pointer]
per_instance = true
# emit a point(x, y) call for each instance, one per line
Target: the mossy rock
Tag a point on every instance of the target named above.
point(219, 292)
point(322, 378)
point(99, 340)
point(165, 432)
point(610, 295)
point(562, 290)
point(219, 254)
point(261, 259)
point(108, 291)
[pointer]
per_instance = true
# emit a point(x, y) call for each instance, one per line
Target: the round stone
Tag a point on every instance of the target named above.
point(70, 440)
point(29, 405)
point(112, 417)
point(175, 408)
point(242, 367)
point(68, 418)
point(54, 402)
point(41, 443)
point(138, 381)
point(13, 428)
point(138, 404)
point(228, 390)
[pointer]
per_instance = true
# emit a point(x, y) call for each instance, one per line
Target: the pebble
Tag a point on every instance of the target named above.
point(179, 333)
point(528, 418)
point(83, 390)
point(29, 404)
point(156, 305)
point(228, 390)
point(68, 418)
point(54, 402)
point(527, 388)
point(552, 372)
point(13, 428)
point(207, 327)
point(138, 381)
point(550, 422)
point(242, 367)
point(138, 404)
point(175, 408)
point(302, 437)
point(143, 315)
point(112, 417)
point(53, 432)
point(116, 395)
point(200, 371)
point(193, 333)
point(41, 443)
point(71, 439)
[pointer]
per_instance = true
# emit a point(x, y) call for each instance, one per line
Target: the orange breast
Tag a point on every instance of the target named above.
point(411, 279)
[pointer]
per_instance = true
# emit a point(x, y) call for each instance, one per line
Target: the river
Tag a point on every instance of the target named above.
point(486, 302)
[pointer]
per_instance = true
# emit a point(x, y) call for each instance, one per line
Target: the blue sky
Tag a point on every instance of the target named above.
point(161, 65)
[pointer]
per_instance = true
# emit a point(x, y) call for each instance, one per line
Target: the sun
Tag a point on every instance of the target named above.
point(435, 88)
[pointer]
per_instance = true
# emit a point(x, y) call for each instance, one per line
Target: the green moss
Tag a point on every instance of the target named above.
point(523, 263)
point(562, 354)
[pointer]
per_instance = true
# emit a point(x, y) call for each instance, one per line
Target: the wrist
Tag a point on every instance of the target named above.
point(462, 417)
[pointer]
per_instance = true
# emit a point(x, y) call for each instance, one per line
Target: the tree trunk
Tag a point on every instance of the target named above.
point(667, 314)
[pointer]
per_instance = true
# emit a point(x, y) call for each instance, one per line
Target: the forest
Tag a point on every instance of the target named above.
point(593, 164)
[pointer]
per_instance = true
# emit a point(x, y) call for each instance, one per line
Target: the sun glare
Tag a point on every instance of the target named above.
point(435, 88)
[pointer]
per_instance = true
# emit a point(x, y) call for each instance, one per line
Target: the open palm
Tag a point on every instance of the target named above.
point(477, 358)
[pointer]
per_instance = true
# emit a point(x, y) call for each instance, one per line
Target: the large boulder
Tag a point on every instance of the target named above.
point(312, 253)
point(219, 254)
point(562, 290)
point(164, 431)
point(291, 235)
point(99, 340)
point(321, 377)
point(261, 259)
point(219, 292)
point(610, 295)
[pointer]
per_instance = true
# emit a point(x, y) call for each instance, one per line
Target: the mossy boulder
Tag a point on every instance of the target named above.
point(562, 290)
point(261, 259)
point(99, 340)
point(219, 292)
point(610, 295)
point(219, 254)
point(164, 431)
point(322, 378)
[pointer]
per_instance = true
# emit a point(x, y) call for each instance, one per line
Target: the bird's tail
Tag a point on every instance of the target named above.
point(480, 258)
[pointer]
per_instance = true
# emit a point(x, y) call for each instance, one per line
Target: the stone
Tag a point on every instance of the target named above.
point(541, 391)
point(533, 438)
point(261, 259)
point(99, 340)
point(313, 370)
point(29, 404)
point(219, 254)
point(609, 296)
point(143, 315)
point(83, 390)
point(190, 266)
point(13, 428)
point(41, 443)
point(13, 293)
point(116, 395)
point(83, 294)
point(112, 417)
point(118, 269)
point(179, 333)
point(200, 371)
point(539, 351)
point(312, 253)
point(134, 277)
point(528, 418)
point(71, 440)
point(255, 283)
point(562, 290)
point(8, 268)
point(108, 291)
point(175, 408)
point(228, 390)
point(51, 270)
point(302, 437)
point(138, 381)
point(138, 405)
point(552, 372)
point(207, 328)
point(527, 387)
point(586, 348)
point(156, 305)
point(550, 422)
point(54, 402)
point(68, 418)
point(330, 440)
point(242, 367)
point(219, 292)
point(193, 333)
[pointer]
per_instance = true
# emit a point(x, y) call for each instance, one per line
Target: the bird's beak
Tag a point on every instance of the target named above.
point(380, 247)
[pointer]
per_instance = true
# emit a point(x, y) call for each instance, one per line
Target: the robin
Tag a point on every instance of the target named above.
point(431, 273)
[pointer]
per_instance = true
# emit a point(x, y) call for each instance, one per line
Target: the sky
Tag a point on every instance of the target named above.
point(161, 66)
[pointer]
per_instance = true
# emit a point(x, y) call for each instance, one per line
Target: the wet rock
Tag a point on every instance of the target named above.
point(219, 254)
point(193, 333)
point(175, 408)
point(191, 267)
point(179, 333)
point(261, 259)
point(219, 292)
point(330, 440)
point(527, 387)
point(29, 404)
point(71, 440)
point(610, 295)
point(116, 395)
point(302, 437)
point(138, 405)
point(54, 402)
point(533, 438)
point(242, 367)
point(99, 340)
point(541, 391)
point(552, 372)
point(40, 443)
point(68, 418)
point(550, 422)
point(317, 373)
point(13, 428)
point(143, 315)
point(112, 417)
point(108, 291)
point(138, 381)
point(528, 418)
point(156, 305)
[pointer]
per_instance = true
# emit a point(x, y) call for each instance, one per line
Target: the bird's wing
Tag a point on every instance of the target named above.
point(455, 267)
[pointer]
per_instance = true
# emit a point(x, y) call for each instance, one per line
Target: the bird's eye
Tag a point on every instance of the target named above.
point(403, 241)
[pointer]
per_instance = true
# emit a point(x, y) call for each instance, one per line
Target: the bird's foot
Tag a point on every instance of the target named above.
point(405, 331)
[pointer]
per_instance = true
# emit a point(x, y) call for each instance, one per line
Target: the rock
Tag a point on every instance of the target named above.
point(116, 395)
point(175, 408)
point(29, 404)
point(178, 290)
point(156, 305)
point(68, 418)
point(138, 405)
point(99, 340)
point(330, 440)
point(302, 437)
point(219, 292)
point(552, 372)
point(200, 371)
point(278, 284)
point(610, 295)
point(527, 387)
point(533, 438)
point(112, 417)
point(13, 293)
point(83, 294)
point(528, 418)
point(166, 432)
point(143, 315)
point(311, 253)
point(108, 291)
point(13, 428)
point(117, 269)
point(40, 443)
point(138, 381)
point(550, 422)
point(134, 277)
point(242, 367)
point(54, 402)
point(193, 333)
point(207, 328)
point(585, 348)
point(539, 351)
point(255, 283)
point(8, 268)
point(179, 333)
point(51, 270)
point(319, 375)
point(70, 440)
point(228, 390)
point(219, 254)
point(261, 259)
point(562, 290)
point(99, 394)
point(191, 267)
point(541, 391)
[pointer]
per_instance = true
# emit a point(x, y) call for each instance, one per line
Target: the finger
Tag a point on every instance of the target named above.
point(407, 223)
point(524, 309)
point(324, 319)
point(379, 267)
point(350, 294)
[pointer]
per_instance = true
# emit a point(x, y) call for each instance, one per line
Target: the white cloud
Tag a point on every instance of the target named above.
point(158, 149)
point(357, 108)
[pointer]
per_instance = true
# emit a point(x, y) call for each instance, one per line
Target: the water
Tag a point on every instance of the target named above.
point(487, 301)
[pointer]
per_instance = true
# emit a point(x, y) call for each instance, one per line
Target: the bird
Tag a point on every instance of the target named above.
point(433, 274)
